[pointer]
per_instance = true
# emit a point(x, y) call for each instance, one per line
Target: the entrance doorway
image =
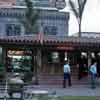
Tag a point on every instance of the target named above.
point(79, 64)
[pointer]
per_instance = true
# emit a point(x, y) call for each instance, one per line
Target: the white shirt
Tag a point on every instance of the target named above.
point(66, 68)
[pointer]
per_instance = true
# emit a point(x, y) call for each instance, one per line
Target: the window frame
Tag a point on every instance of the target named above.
point(15, 29)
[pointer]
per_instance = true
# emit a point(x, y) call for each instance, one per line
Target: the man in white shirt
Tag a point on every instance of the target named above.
point(67, 74)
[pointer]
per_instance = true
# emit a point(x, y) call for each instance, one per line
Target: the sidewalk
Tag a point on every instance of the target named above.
point(75, 90)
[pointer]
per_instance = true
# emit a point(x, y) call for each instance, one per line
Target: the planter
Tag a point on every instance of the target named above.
point(15, 85)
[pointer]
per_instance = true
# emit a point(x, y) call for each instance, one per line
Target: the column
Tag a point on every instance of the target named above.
point(39, 60)
point(89, 58)
point(38, 65)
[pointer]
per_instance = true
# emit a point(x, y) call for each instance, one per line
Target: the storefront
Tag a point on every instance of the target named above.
point(27, 54)
point(19, 60)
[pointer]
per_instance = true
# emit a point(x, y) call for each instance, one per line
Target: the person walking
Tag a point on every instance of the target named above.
point(93, 73)
point(67, 74)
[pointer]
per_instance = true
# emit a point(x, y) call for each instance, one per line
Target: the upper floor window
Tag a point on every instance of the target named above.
point(13, 29)
point(50, 30)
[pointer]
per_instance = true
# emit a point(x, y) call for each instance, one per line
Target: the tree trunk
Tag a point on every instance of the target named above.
point(79, 34)
point(38, 65)
point(79, 24)
point(35, 78)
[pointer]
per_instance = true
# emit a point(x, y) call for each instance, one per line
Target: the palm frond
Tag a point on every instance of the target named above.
point(78, 11)
point(31, 16)
point(81, 4)
point(74, 8)
point(84, 2)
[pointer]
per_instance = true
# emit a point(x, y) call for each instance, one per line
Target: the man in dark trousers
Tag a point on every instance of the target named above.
point(67, 75)
point(93, 73)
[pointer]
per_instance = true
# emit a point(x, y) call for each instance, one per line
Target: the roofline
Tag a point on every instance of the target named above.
point(23, 7)
point(39, 8)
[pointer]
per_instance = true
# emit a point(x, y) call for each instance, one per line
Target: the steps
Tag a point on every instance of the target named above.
point(57, 78)
point(54, 79)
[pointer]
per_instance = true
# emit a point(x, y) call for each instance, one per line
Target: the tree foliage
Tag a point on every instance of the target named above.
point(31, 16)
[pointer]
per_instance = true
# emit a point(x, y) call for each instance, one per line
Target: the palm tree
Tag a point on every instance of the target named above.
point(31, 16)
point(29, 22)
point(78, 12)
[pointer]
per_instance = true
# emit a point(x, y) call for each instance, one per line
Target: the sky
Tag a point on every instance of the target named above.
point(90, 20)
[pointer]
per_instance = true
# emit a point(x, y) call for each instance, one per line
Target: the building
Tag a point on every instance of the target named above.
point(51, 23)
point(88, 34)
point(91, 34)
point(43, 51)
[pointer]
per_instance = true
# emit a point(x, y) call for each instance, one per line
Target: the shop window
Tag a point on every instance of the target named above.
point(56, 57)
point(84, 54)
point(19, 61)
point(53, 57)
point(13, 29)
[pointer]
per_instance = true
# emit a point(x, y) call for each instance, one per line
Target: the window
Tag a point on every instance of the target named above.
point(53, 57)
point(50, 30)
point(13, 29)
point(19, 60)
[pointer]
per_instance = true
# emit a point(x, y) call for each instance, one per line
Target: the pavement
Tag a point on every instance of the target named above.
point(75, 90)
